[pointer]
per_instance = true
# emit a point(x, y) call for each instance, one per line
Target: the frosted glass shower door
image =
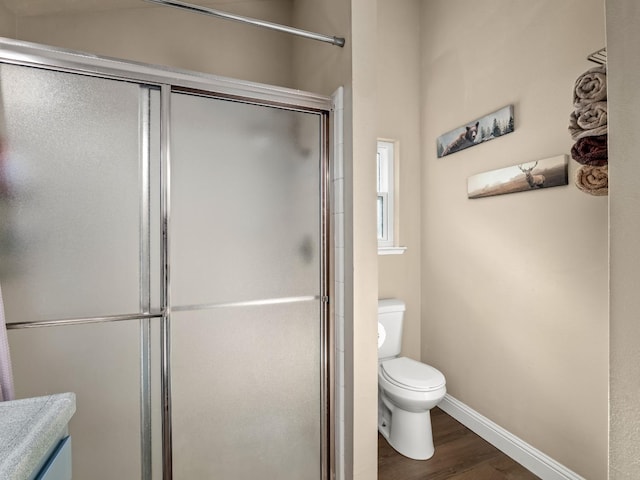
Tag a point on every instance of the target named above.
point(70, 194)
point(79, 242)
point(245, 290)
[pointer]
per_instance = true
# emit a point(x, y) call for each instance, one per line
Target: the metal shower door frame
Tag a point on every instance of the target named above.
point(326, 360)
point(167, 80)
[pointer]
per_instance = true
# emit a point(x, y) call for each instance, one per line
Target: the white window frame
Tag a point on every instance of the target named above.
point(385, 183)
point(386, 166)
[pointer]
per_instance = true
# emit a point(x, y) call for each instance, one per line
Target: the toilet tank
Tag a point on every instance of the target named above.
point(390, 317)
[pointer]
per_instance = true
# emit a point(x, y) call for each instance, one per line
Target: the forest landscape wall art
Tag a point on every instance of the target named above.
point(489, 127)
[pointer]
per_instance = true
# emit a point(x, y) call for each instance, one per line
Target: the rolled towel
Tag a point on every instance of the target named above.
point(590, 87)
point(588, 121)
point(593, 180)
point(591, 151)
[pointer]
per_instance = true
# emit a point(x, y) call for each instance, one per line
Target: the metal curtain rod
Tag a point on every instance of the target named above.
point(339, 41)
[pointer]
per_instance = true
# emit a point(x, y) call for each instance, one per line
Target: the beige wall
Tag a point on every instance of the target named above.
point(167, 36)
point(398, 92)
point(364, 275)
point(318, 67)
point(623, 18)
point(7, 23)
point(514, 288)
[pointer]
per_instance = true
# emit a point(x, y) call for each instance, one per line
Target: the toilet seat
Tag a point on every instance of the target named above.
point(407, 373)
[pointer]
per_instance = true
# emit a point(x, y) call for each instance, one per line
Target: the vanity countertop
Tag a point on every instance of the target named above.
point(29, 429)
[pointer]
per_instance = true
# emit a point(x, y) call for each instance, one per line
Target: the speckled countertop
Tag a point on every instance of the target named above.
point(29, 429)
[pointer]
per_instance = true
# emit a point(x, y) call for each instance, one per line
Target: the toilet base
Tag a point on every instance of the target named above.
point(409, 433)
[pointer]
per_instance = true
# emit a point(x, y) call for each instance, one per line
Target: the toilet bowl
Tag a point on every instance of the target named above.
point(407, 389)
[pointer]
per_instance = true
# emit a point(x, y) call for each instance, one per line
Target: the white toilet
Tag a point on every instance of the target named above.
point(407, 390)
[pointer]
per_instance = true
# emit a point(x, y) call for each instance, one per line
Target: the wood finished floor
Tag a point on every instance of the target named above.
point(460, 455)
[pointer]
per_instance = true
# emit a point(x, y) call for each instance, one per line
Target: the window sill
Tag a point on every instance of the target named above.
point(391, 250)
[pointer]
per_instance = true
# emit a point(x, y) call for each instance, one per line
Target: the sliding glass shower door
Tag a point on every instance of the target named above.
point(246, 290)
point(163, 254)
point(72, 252)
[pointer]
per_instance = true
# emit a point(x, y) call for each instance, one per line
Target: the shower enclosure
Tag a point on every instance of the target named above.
point(164, 254)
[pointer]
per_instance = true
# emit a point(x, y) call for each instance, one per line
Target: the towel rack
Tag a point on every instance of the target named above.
point(599, 56)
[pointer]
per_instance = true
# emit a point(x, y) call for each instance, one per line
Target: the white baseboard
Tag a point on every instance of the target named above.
point(529, 457)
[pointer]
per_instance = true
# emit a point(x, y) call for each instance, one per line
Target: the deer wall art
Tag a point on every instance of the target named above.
point(534, 181)
point(537, 175)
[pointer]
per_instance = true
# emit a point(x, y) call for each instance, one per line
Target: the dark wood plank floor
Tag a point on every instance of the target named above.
point(460, 455)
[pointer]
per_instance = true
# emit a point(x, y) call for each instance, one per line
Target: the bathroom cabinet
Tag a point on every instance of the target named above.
point(58, 465)
point(34, 439)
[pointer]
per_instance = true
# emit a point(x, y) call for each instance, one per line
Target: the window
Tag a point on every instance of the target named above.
point(387, 195)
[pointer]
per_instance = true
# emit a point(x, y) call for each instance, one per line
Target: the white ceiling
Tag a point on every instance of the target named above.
point(47, 7)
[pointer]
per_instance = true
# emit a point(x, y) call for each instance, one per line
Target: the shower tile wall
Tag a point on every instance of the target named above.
point(339, 247)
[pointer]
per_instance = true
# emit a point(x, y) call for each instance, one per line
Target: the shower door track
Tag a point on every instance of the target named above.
point(52, 58)
point(168, 80)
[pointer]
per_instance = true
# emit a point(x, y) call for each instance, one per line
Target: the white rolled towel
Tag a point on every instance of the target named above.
point(588, 121)
point(590, 87)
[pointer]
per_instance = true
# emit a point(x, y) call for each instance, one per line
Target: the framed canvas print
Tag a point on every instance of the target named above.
point(489, 127)
point(550, 172)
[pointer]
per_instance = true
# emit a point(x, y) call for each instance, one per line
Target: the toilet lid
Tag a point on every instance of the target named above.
point(408, 373)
